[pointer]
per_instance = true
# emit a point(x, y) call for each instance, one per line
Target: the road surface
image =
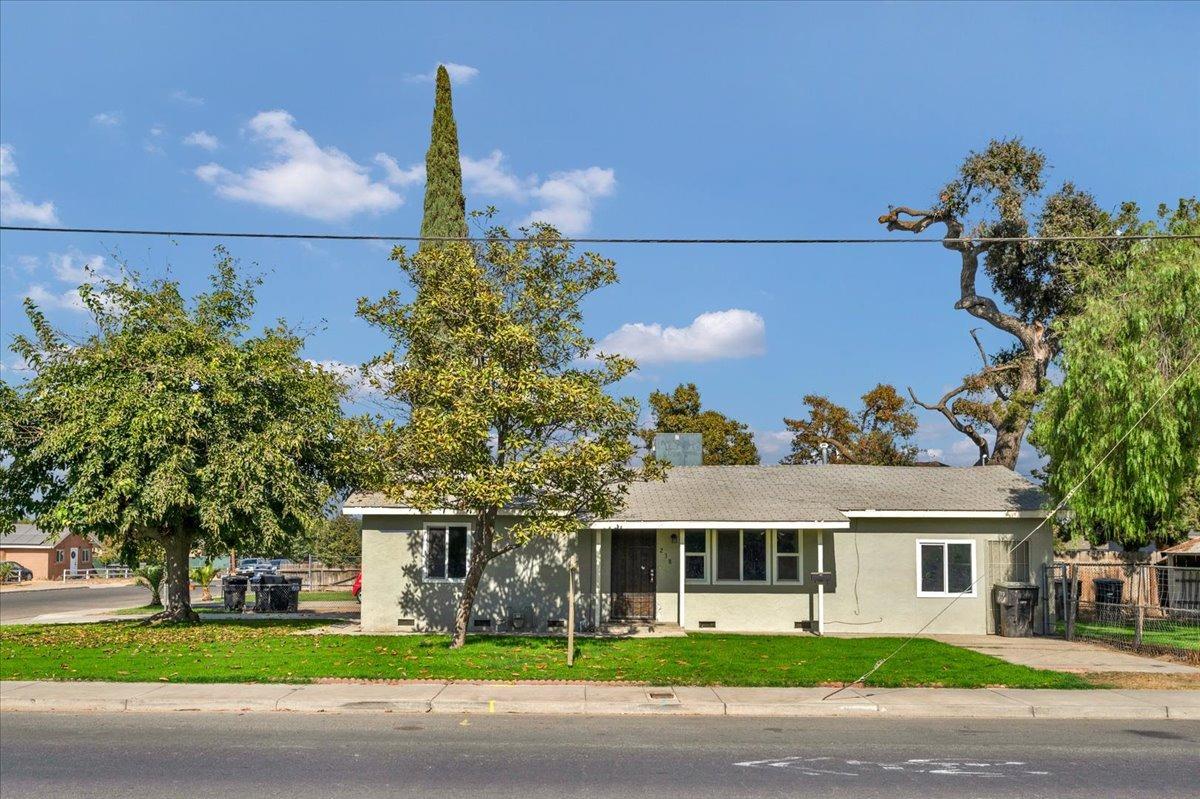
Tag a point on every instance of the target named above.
point(22, 606)
point(375, 754)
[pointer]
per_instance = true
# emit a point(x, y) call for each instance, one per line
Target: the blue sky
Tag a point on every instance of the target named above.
point(611, 120)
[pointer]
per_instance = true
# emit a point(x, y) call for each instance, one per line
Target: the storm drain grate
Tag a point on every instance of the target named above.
point(660, 695)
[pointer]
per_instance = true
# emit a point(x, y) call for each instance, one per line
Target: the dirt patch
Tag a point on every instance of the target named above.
point(1127, 679)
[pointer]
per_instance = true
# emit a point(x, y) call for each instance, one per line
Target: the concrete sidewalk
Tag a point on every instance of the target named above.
point(594, 699)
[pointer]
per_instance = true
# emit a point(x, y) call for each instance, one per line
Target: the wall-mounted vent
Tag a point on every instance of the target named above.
point(556, 624)
point(708, 625)
point(406, 622)
point(483, 624)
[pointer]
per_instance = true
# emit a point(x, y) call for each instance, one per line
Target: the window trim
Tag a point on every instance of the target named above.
point(798, 555)
point(768, 546)
point(59, 556)
point(946, 593)
point(85, 555)
point(444, 526)
point(707, 555)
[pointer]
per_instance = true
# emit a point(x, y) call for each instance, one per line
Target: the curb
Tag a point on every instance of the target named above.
point(595, 700)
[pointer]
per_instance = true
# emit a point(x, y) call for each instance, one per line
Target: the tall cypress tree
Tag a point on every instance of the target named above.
point(445, 208)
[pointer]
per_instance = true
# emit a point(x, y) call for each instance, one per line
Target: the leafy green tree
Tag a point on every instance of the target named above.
point(445, 206)
point(337, 542)
point(879, 434)
point(502, 408)
point(1137, 333)
point(1000, 193)
point(726, 441)
point(170, 423)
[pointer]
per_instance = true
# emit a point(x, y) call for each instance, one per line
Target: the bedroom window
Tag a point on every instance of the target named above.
point(945, 568)
point(695, 556)
point(787, 557)
point(445, 552)
point(742, 556)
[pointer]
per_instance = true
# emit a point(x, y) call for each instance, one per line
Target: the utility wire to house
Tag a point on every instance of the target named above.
point(1062, 504)
point(589, 240)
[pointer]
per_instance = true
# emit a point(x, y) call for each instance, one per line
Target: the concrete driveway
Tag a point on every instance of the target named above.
point(1059, 655)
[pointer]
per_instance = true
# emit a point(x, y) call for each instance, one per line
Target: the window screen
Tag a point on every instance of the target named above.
point(456, 553)
point(435, 553)
point(754, 555)
point(728, 553)
point(695, 555)
point(959, 573)
point(933, 563)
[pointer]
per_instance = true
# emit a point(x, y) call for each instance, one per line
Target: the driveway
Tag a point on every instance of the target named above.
point(1059, 655)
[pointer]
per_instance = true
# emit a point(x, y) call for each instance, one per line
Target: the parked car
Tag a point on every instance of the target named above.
point(248, 567)
point(279, 563)
point(19, 573)
point(356, 589)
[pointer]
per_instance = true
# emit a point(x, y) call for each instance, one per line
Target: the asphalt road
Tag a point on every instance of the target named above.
point(21, 606)
point(388, 755)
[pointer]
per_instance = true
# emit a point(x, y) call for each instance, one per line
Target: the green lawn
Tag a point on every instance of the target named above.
point(266, 651)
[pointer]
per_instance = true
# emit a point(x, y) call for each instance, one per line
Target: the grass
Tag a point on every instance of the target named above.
point(305, 596)
point(268, 651)
point(1156, 633)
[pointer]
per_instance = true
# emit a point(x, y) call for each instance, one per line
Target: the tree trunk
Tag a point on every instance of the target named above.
point(466, 602)
point(179, 605)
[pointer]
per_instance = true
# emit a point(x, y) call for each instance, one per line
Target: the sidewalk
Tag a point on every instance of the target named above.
point(57, 585)
point(594, 699)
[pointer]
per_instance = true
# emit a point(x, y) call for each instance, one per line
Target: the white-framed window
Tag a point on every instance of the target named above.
point(945, 567)
point(444, 550)
point(742, 556)
point(58, 556)
point(695, 556)
point(789, 560)
point(85, 555)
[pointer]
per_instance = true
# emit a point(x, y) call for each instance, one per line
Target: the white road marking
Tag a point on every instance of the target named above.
point(828, 766)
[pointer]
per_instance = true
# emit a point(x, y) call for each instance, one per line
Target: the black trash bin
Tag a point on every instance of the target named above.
point(1108, 591)
point(1017, 603)
point(267, 593)
point(233, 591)
point(293, 593)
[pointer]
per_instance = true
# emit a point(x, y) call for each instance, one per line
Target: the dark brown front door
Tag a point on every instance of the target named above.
point(633, 575)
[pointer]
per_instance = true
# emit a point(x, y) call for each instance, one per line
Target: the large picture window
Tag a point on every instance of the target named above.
point(695, 555)
point(742, 556)
point(445, 552)
point(945, 568)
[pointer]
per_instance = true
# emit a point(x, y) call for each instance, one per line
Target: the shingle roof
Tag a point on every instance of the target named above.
point(810, 493)
point(29, 535)
point(1188, 546)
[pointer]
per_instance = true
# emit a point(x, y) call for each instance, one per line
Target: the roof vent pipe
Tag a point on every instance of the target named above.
point(824, 447)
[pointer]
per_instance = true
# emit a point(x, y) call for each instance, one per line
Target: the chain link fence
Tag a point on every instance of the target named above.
point(1140, 607)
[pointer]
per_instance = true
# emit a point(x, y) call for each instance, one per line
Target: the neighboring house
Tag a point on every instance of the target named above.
point(47, 555)
point(1183, 573)
point(845, 549)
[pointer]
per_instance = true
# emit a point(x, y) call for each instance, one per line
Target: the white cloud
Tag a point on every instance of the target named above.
point(459, 74)
point(72, 269)
point(711, 336)
point(351, 375)
point(772, 444)
point(44, 297)
point(304, 178)
point(489, 177)
point(180, 96)
point(202, 139)
point(398, 175)
point(934, 453)
point(567, 198)
point(13, 205)
point(157, 130)
point(108, 119)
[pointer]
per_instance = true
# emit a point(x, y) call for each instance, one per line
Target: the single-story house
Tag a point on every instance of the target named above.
point(1182, 573)
point(47, 555)
point(826, 548)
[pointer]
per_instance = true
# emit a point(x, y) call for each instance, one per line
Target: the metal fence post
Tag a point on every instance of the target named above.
point(1071, 599)
point(1139, 608)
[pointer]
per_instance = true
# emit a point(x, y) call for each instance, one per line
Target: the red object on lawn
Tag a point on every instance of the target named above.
point(356, 589)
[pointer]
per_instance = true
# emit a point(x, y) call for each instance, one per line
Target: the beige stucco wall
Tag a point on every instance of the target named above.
point(876, 556)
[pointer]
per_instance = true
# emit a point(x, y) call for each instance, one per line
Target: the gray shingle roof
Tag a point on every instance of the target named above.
point(810, 493)
point(28, 535)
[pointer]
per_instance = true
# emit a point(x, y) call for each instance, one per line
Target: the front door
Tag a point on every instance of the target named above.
point(633, 575)
point(74, 559)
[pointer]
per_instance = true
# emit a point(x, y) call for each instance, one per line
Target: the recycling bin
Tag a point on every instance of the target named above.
point(1017, 603)
point(233, 592)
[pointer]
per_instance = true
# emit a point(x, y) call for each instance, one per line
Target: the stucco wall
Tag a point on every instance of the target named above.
point(874, 566)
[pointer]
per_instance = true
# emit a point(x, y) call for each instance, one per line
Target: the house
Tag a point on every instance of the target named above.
point(829, 548)
point(47, 555)
point(1182, 574)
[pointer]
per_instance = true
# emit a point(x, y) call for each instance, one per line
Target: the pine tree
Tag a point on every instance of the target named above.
point(445, 208)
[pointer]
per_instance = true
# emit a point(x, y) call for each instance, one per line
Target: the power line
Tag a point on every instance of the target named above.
point(1062, 504)
point(578, 240)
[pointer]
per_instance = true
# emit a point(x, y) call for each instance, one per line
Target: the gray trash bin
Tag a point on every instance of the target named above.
point(233, 592)
point(267, 593)
point(1017, 603)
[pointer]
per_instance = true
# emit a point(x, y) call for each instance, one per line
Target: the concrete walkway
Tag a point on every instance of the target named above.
point(1057, 654)
point(592, 699)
